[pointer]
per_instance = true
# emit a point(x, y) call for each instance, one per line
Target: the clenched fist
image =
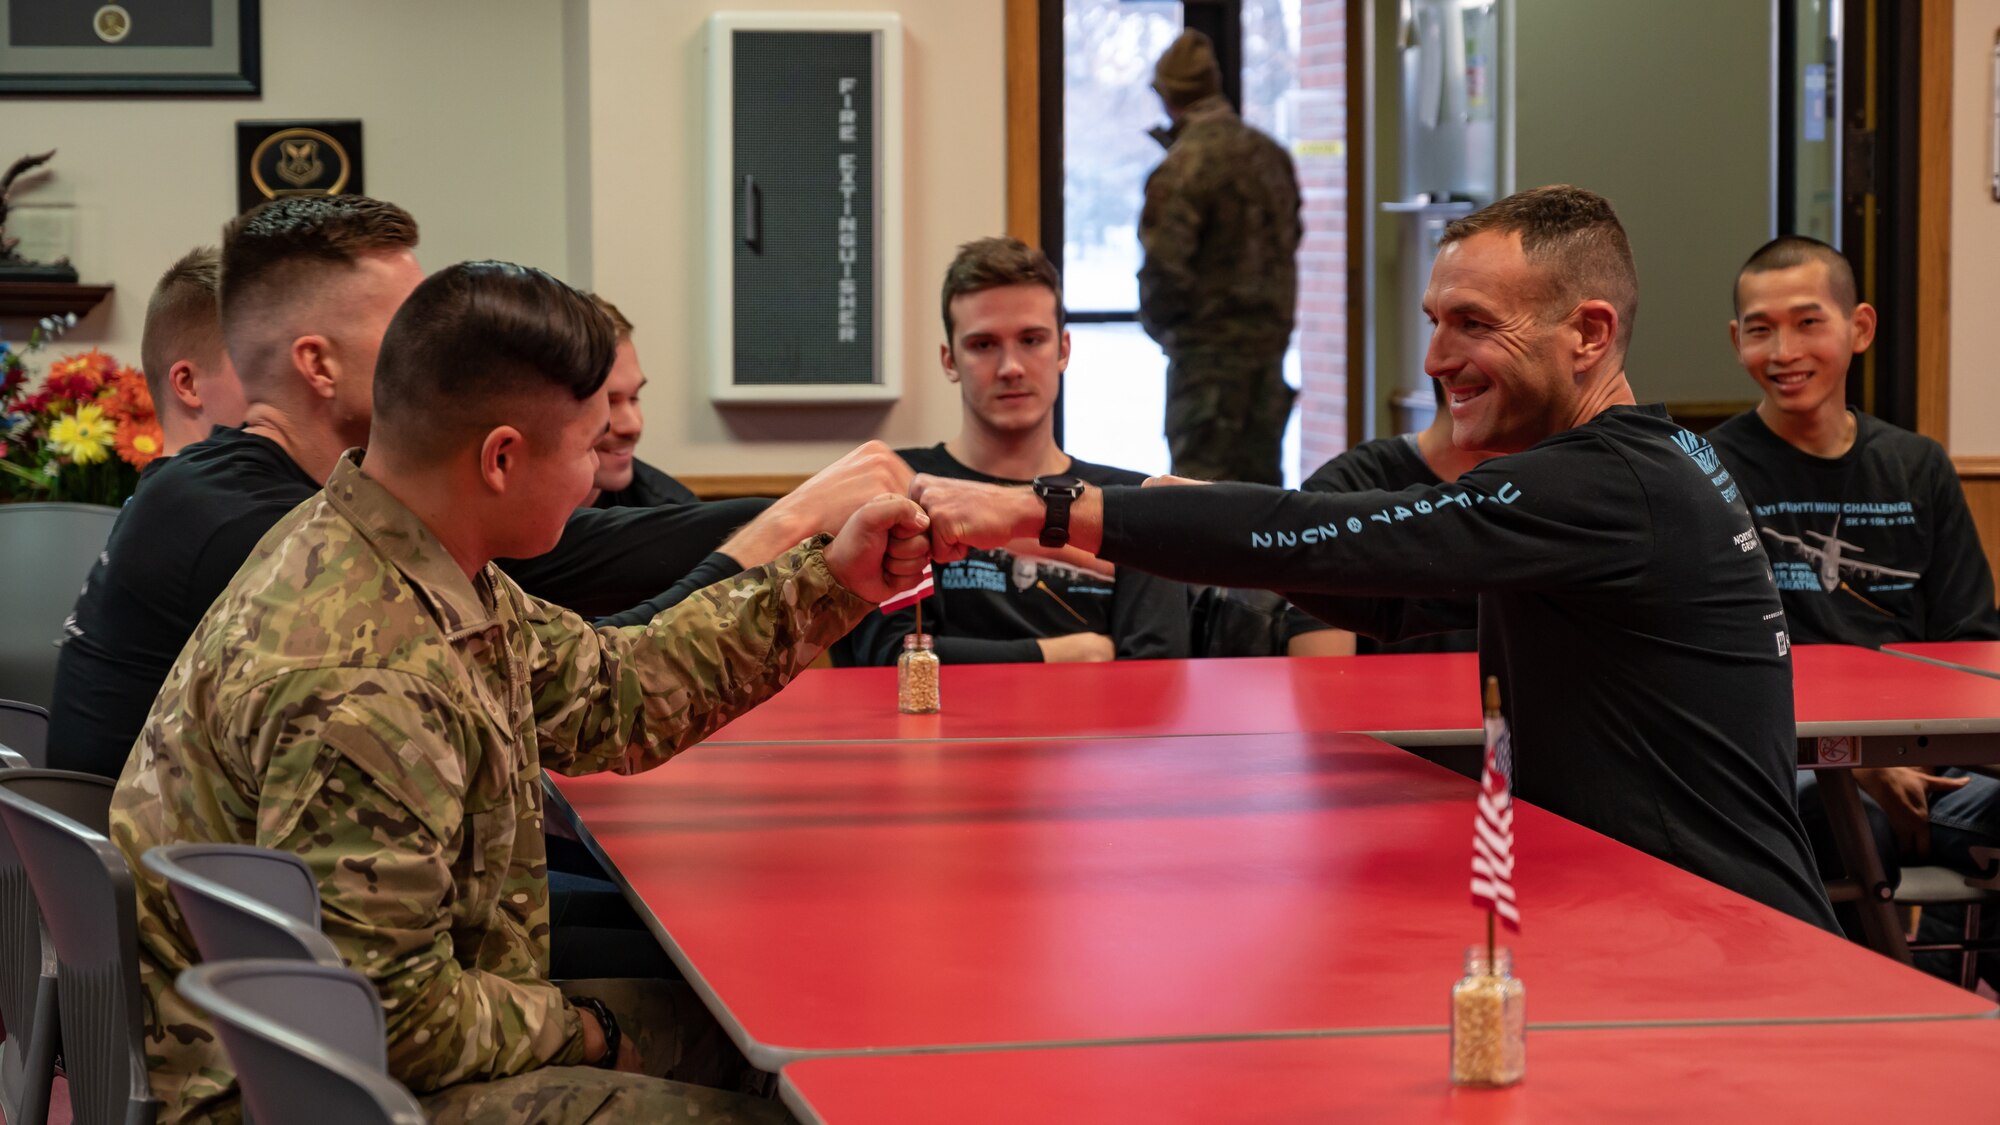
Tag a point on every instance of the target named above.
point(966, 514)
point(883, 548)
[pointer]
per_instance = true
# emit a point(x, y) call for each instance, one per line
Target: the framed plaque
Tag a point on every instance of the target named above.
point(129, 47)
point(279, 158)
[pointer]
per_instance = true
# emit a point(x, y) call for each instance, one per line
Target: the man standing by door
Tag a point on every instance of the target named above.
point(1219, 282)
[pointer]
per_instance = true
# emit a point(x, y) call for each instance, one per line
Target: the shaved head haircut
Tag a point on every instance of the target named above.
point(1792, 251)
point(472, 342)
point(182, 320)
point(1575, 239)
point(284, 252)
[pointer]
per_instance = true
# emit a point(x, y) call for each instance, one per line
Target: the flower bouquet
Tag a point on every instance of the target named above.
point(83, 435)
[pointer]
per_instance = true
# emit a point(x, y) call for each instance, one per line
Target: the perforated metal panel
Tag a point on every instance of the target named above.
point(808, 299)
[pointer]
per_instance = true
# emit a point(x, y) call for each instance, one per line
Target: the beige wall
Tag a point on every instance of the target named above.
point(647, 129)
point(474, 151)
point(1975, 236)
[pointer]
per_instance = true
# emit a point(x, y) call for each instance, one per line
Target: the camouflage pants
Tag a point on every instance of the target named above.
point(677, 1046)
point(1226, 416)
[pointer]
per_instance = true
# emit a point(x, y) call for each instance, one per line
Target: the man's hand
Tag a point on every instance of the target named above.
point(966, 514)
point(1904, 792)
point(1077, 648)
point(822, 504)
point(1165, 479)
point(883, 548)
point(593, 1044)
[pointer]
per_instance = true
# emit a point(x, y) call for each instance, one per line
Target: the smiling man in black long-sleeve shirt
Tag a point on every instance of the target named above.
point(1626, 604)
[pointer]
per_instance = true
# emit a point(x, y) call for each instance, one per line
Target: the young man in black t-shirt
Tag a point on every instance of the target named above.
point(1625, 602)
point(624, 481)
point(309, 285)
point(1006, 349)
point(1390, 464)
point(1868, 531)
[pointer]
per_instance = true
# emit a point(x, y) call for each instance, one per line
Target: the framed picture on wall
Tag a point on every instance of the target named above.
point(129, 47)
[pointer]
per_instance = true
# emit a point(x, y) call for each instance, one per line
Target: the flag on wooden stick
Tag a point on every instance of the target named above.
point(1493, 827)
point(913, 595)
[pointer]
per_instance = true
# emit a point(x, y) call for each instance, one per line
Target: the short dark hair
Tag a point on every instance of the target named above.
point(1790, 251)
point(182, 318)
point(618, 320)
point(268, 249)
point(1575, 238)
point(993, 263)
point(474, 336)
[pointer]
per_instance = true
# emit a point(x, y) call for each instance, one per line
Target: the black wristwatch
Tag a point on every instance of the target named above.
point(1058, 492)
point(606, 1021)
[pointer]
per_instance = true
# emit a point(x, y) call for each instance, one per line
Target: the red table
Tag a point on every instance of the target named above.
point(1982, 657)
point(840, 897)
point(1424, 699)
point(1843, 690)
point(1820, 1074)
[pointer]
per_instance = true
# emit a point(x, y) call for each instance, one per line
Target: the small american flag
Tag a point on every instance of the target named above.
point(913, 595)
point(1493, 828)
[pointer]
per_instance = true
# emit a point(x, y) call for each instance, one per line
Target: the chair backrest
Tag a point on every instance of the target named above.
point(46, 552)
point(242, 902)
point(27, 959)
point(306, 1039)
point(24, 729)
point(86, 898)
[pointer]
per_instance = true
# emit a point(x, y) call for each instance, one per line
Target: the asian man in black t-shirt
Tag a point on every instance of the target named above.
point(1870, 539)
point(1005, 349)
point(1625, 603)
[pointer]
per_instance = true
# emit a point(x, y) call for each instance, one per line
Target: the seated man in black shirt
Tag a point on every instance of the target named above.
point(1625, 603)
point(1006, 349)
point(1869, 537)
point(309, 285)
point(188, 373)
point(624, 481)
point(1389, 464)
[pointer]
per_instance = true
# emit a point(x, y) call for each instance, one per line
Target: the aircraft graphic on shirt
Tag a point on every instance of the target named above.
point(1831, 558)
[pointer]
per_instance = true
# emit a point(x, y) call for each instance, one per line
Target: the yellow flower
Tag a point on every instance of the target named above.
point(84, 437)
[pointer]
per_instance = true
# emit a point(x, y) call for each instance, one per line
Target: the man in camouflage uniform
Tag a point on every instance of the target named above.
point(371, 694)
point(1220, 280)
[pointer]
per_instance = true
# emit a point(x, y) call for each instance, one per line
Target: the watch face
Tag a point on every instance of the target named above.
point(1059, 482)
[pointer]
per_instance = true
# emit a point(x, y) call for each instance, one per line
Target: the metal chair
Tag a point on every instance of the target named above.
point(85, 893)
point(27, 958)
point(243, 902)
point(46, 552)
point(306, 1039)
point(10, 760)
point(24, 729)
point(1941, 886)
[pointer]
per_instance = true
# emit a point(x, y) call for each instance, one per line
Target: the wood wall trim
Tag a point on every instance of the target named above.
point(1933, 372)
point(1024, 121)
point(732, 486)
point(1978, 467)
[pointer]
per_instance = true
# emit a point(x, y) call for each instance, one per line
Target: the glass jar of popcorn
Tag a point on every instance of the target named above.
point(917, 676)
point(1489, 1022)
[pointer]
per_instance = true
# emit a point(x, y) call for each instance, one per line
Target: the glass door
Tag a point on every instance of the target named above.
point(1284, 66)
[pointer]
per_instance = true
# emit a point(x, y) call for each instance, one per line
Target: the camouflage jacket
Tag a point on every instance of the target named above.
point(1221, 232)
point(354, 699)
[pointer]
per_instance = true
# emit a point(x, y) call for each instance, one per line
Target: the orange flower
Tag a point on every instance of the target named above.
point(139, 442)
point(125, 396)
point(77, 377)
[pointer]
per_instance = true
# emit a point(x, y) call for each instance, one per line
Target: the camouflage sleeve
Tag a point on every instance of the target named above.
point(1170, 235)
point(366, 782)
point(628, 699)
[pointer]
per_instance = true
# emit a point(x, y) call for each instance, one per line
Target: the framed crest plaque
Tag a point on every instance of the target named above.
point(280, 158)
point(129, 47)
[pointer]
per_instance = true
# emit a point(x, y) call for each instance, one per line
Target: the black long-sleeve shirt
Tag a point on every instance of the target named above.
point(992, 606)
point(194, 520)
point(1625, 604)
